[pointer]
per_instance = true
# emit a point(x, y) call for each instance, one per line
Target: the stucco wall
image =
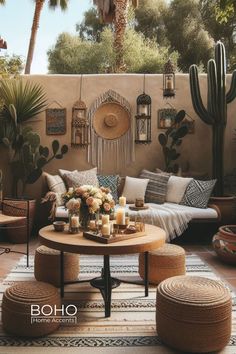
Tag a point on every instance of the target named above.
point(196, 148)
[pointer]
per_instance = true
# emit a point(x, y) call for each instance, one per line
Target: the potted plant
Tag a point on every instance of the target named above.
point(171, 140)
point(215, 115)
point(22, 101)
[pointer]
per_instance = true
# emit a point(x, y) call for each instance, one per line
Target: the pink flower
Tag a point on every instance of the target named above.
point(89, 201)
point(79, 191)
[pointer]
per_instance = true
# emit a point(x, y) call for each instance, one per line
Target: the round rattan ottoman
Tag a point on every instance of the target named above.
point(193, 314)
point(47, 266)
point(16, 309)
point(165, 262)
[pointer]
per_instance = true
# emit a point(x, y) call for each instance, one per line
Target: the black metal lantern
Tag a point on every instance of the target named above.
point(143, 119)
point(80, 125)
point(169, 79)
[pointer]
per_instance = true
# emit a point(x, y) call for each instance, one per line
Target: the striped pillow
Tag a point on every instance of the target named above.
point(198, 193)
point(157, 186)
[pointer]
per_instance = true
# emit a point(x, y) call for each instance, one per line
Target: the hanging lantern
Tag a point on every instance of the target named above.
point(143, 118)
point(169, 79)
point(80, 125)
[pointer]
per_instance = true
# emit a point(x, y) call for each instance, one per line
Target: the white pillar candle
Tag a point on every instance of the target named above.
point(74, 221)
point(143, 109)
point(92, 224)
point(122, 201)
point(105, 219)
point(120, 216)
point(71, 189)
point(106, 230)
point(142, 137)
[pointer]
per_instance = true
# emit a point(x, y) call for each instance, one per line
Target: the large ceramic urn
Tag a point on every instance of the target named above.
point(224, 243)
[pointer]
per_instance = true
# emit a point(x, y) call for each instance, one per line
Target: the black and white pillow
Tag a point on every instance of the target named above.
point(157, 186)
point(198, 193)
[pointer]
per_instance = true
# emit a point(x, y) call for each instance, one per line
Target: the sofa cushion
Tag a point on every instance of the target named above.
point(63, 172)
point(176, 188)
point(111, 182)
point(56, 185)
point(198, 193)
point(157, 186)
point(80, 178)
point(134, 188)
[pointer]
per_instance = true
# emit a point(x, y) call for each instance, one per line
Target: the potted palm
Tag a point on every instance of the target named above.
point(22, 101)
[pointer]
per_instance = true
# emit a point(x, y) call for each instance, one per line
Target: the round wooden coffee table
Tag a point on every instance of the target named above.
point(77, 243)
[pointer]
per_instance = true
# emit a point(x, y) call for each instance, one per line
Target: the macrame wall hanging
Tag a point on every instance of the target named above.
point(111, 131)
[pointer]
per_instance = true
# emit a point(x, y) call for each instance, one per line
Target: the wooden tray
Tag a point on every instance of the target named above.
point(99, 238)
point(133, 207)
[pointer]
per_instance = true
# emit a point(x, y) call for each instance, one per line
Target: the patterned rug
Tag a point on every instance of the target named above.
point(131, 327)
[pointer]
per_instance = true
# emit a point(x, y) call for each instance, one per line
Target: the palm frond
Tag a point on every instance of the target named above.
point(28, 98)
point(55, 3)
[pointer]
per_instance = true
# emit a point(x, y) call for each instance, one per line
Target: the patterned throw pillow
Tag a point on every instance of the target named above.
point(198, 193)
point(56, 185)
point(80, 178)
point(111, 182)
point(157, 186)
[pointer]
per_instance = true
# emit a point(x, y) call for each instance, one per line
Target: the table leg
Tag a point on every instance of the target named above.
point(107, 286)
point(62, 273)
point(28, 233)
point(146, 280)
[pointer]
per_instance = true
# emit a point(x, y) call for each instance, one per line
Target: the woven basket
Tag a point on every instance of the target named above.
point(18, 207)
point(165, 262)
point(47, 266)
point(16, 308)
point(193, 314)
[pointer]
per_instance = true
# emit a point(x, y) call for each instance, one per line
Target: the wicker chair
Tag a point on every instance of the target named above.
point(47, 266)
point(193, 314)
point(16, 308)
point(165, 262)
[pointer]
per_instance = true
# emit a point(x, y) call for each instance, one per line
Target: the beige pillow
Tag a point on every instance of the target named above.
point(80, 178)
point(176, 188)
point(134, 188)
point(56, 185)
point(63, 172)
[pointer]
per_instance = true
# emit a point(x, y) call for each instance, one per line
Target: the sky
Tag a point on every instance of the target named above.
point(16, 22)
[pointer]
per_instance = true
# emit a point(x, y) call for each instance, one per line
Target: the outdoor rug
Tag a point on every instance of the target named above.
point(131, 327)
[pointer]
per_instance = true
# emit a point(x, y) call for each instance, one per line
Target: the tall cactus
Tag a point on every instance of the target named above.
point(215, 114)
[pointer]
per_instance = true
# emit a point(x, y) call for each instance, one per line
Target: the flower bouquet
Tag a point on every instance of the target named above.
point(88, 201)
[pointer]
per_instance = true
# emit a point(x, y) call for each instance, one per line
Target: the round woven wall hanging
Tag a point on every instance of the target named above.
point(111, 131)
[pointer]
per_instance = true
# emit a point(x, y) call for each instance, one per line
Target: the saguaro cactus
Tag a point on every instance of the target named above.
point(215, 114)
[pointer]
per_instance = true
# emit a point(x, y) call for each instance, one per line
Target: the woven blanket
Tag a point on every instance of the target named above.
point(173, 218)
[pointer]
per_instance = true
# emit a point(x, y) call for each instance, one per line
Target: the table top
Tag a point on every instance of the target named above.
point(76, 243)
point(7, 219)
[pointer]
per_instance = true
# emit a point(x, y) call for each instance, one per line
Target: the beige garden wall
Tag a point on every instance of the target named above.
point(196, 148)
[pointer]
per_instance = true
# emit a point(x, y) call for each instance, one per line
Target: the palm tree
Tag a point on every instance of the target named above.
point(2, 2)
point(37, 12)
point(116, 11)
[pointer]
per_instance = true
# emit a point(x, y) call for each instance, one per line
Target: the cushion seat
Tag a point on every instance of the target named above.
point(193, 314)
point(16, 308)
point(165, 262)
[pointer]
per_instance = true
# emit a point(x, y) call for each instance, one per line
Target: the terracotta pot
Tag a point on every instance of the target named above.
point(224, 243)
point(227, 207)
point(17, 232)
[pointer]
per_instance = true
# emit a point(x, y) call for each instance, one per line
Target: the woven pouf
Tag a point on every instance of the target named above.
point(165, 262)
point(47, 265)
point(16, 308)
point(193, 314)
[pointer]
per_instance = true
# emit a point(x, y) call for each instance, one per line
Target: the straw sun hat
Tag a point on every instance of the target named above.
point(111, 121)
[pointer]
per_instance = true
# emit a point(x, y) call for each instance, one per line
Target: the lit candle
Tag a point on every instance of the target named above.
point(92, 224)
point(74, 221)
point(143, 109)
point(111, 228)
point(120, 216)
point(105, 219)
point(71, 189)
point(127, 220)
point(142, 137)
point(122, 201)
point(106, 230)
point(169, 84)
